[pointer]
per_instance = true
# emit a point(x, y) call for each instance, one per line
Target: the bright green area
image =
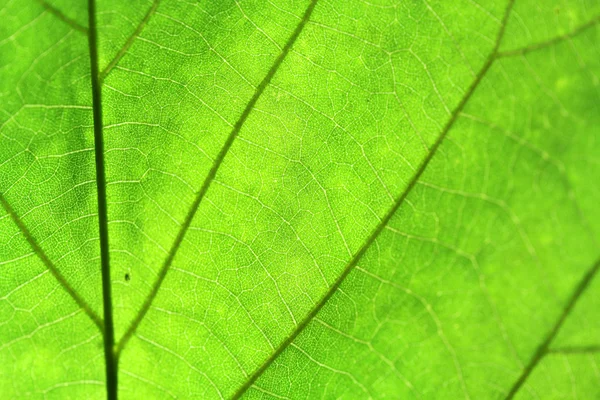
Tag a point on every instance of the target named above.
point(452, 298)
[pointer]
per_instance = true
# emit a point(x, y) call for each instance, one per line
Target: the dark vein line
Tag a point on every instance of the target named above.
point(542, 350)
point(379, 228)
point(550, 42)
point(575, 350)
point(129, 42)
point(211, 175)
point(109, 335)
point(60, 15)
point(50, 265)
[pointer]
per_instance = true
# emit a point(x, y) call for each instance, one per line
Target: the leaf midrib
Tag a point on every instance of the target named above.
point(108, 333)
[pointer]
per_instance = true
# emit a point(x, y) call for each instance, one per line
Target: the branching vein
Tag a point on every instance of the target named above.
point(50, 265)
point(60, 15)
point(550, 42)
point(495, 54)
point(211, 175)
point(543, 349)
point(575, 350)
point(129, 42)
point(388, 216)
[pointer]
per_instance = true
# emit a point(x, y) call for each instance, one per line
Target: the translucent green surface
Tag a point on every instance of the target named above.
point(317, 199)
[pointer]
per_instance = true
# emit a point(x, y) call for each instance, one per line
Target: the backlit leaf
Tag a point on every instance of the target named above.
point(303, 199)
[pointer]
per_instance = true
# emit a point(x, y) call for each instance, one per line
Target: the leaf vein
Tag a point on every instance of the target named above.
point(211, 175)
point(61, 16)
point(50, 265)
point(388, 216)
point(550, 42)
point(543, 349)
point(109, 67)
point(108, 333)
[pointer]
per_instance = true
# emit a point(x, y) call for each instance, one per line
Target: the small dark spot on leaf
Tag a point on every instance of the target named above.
point(127, 277)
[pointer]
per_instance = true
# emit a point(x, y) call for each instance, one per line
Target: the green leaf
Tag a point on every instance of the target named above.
point(299, 199)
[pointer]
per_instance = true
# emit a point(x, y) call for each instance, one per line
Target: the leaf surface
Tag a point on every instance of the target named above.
point(302, 199)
